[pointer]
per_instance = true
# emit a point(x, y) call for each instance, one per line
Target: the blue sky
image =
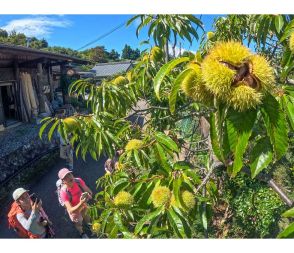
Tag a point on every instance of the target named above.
point(75, 31)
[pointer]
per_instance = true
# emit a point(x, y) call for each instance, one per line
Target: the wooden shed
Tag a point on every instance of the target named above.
point(28, 80)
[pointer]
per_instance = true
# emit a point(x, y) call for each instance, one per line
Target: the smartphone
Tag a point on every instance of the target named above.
point(35, 198)
point(84, 195)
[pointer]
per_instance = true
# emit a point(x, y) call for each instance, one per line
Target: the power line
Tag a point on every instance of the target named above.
point(103, 35)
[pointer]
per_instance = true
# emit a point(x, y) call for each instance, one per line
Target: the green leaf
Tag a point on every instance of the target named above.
point(167, 141)
point(43, 127)
point(118, 222)
point(105, 216)
point(146, 218)
point(175, 88)
point(132, 20)
point(113, 232)
point(137, 158)
point(204, 218)
point(215, 137)
point(195, 177)
point(288, 30)
point(143, 202)
point(289, 213)
point(93, 154)
point(176, 189)
point(51, 131)
point(119, 185)
point(239, 128)
point(162, 157)
point(182, 165)
point(275, 123)
point(261, 156)
point(288, 232)
point(138, 190)
point(164, 70)
point(288, 105)
point(183, 217)
point(279, 22)
point(176, 223)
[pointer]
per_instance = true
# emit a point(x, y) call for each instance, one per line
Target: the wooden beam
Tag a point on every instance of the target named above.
point(17, 90)
point(50, 81)
point(32, 63)
point(40, 88)
point(62, 79)
point(58, 63)
point(2, 116)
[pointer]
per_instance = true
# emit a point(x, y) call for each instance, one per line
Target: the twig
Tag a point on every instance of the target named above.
point(205, 180)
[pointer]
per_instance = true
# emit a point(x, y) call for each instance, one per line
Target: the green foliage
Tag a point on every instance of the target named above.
point(261, 156)
point(64, 50)
point(240, 126)
point(255, 208)
point(20, 39)
point(288, 232)
point(163, 27)
point(129, 53)
point(77, 102)
point(276, 126)
point(172, 150)
point(165, 69)
point(151, 221)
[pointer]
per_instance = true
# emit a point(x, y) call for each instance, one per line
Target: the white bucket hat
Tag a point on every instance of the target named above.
point(18, 192)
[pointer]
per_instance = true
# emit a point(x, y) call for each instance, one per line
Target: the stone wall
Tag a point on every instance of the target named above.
point(20, 145)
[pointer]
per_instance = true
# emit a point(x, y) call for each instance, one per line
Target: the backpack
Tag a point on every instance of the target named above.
point(59, 185)
point(15, 224)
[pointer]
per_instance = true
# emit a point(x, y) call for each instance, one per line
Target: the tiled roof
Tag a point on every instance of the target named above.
point(111, 68)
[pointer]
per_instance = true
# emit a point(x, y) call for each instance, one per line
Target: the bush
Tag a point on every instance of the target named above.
point(256, 208)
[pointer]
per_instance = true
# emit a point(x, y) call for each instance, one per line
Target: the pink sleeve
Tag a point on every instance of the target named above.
point(82, 182)
point(64, 196)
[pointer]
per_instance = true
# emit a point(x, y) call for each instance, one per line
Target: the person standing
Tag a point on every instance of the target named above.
point(27, 217)
point(112, 163)
point(66, 152)
point(74, 193)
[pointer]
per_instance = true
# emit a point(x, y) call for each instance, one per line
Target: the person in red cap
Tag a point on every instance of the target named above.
point(75, 193)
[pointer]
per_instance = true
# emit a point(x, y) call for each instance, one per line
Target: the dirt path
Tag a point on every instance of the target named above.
point(89, 171)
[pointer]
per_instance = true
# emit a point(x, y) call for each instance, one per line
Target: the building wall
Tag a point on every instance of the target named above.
point(7, 74)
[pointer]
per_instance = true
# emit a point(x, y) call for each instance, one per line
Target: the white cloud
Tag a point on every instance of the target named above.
point(35, 26)
point(177, 50)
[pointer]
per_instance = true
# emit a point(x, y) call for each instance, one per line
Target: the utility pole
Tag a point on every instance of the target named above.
point(28, 40)
point(166, 51)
